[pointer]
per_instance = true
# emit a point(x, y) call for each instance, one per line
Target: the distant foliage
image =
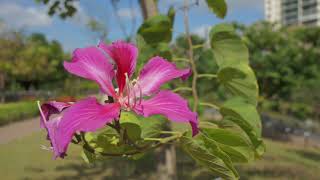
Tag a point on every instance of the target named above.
point(30, 61)
point(287, 65)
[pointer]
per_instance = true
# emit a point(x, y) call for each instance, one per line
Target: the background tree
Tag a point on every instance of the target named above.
point(30, 60)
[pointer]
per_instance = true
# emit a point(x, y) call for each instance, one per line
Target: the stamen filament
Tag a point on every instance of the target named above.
point(128, 89)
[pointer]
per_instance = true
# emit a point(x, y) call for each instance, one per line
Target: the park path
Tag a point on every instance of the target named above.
point(18, 130)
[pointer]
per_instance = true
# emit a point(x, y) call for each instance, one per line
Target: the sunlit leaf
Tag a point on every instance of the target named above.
point(237, 147)
point(240, 81)
point(245, 115)
point(131, 125)
point(156, 29)
point(219, 7)
point(171, 14)
point(164, 50)
point(222, 28)
point(151, 126)
point(87, 156)
point(228, 48)
point(208, 158)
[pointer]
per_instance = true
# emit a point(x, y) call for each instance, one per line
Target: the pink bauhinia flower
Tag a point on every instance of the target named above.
point(101, 64)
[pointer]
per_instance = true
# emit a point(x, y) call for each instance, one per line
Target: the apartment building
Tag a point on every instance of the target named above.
point(293, 12)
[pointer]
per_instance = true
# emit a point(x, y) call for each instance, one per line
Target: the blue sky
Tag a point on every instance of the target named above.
point(73, 33)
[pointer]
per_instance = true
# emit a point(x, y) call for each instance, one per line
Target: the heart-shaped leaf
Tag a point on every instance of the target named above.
point(219, 7)
point(151, 126)
point(156, 29)
point(228, 48)
point(209, 157)
point(238, 148)
point(245, 115)
point(131, 125)
point(240, 81)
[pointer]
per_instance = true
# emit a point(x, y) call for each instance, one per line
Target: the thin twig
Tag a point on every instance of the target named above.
point(181, 59)
point(214, 106)
point(210, 76)
point(182, 89)
point(190, 52)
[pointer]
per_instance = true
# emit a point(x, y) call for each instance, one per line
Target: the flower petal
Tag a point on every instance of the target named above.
point(157, 72)
point(125, 56)
point(49, 108)
point(85, 115)
point(91, 63)
point(52, 128)
point(171, 105)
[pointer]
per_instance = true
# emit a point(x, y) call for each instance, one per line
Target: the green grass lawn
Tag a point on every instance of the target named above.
point(23, 159)
point(284, 161)
point(10, 112)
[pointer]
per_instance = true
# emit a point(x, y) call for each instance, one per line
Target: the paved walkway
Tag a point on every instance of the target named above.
point(18, 130)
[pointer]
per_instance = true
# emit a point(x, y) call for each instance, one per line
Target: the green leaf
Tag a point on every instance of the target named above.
point(137, 156)
point(164, 50)
point(240, 81)
point(156, 29)
point(213, 147)
point(87, 156)
point(151, 126)
point(228, 48)
point(89, 136)
point(107, 142)
point(147, 50)
point(234, 144)
point(171, 14)
point(219, 7)
point(222, 28)
point(131, 124)
point(209, 158)
point(245, 115)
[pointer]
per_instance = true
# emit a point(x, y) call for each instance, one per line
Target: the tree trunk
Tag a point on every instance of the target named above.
point(171, 162)
point(2, 84)
point(149, 8)
point(167, 169)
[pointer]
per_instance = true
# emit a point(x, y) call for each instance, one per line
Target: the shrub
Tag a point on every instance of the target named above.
point(17, 111)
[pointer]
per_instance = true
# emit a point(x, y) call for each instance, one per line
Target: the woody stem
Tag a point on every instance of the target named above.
point(190, 53)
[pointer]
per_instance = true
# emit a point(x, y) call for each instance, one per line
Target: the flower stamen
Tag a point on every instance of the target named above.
point(128, 90)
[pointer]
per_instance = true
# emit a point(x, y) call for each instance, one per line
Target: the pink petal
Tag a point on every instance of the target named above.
point(125, 56)
point(52, 128)
point(85, 115)
point(49, 108)
point(171, 105)
point(50, 124)
point(91, 63)
point(157, 72)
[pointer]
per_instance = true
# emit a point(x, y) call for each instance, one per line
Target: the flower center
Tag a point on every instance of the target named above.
point(132, 94)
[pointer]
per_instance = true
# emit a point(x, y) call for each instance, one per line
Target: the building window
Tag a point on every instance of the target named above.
point(310, 22)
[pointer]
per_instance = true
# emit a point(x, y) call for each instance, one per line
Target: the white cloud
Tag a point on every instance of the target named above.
point(128, 13)
point(202, 31)
point(18, 16)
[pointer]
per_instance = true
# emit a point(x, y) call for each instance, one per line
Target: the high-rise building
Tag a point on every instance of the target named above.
point(293, 12)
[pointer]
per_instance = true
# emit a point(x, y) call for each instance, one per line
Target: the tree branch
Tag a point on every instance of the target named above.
point(190, 53)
